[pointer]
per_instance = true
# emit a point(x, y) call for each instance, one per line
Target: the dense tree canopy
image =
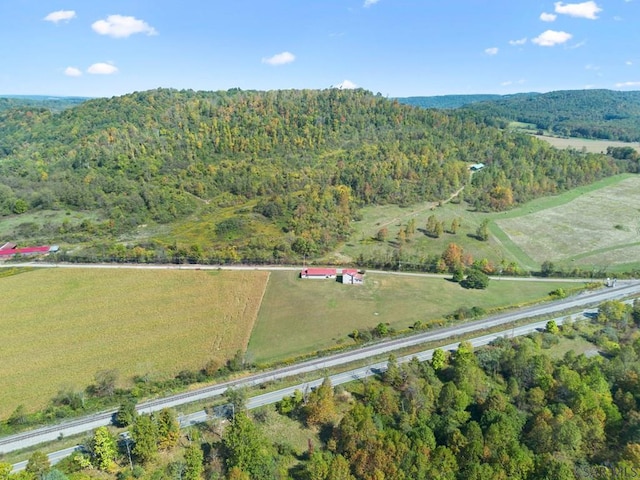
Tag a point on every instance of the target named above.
point(284, 171)
point(601, 114)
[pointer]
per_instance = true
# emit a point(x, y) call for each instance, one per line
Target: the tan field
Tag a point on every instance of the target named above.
point(62, 326)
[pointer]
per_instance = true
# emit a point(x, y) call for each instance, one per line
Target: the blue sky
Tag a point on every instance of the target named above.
point(395, 47)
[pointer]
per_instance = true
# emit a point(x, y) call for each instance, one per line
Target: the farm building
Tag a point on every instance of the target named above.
point(476, 166)
point(10, 249)
point(319, 273)
point(352, 277)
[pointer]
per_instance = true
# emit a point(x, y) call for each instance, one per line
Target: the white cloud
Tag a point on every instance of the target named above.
point(72, 72)
point(368, 3)
point(627, 84)
point(550, 38)
point(628, 62)
point(520, 41)
point(548, 17)
point(591, 67)
point(60, 15)
point(118, 26)
point(507, 83)
point(102, 69)
point(346, 85)
point(491, 51)
point(279, 59)
point(588, 10)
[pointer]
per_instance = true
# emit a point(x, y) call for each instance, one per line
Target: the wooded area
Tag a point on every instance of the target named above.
point(597, 114)
point(291, 168)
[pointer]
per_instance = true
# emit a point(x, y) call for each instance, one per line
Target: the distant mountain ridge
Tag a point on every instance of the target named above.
point(596, 114)
point(453, 101)
point(50, 102)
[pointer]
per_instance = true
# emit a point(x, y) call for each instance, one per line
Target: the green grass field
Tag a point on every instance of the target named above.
point(299, 316)
point(61, 326)
point(393, 217)
point(598, 226)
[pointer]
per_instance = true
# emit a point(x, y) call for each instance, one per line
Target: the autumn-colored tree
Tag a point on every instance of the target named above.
point(452, 256)
point(38, 464)
point(382, 234)
point(168, 429)
point(320, 407)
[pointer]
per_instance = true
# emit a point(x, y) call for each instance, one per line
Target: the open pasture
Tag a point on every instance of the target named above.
point(591, 146)
point(298, 316)
point(393, 218)
point(599, 228)
point(61, 326)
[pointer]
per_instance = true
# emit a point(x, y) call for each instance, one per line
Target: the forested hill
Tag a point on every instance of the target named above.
point(277, 170)
point(598, 114)
point(55, 104)
point(447, 101)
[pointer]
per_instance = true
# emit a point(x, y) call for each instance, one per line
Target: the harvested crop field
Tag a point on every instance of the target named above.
point(61, 326)
point(599, 228)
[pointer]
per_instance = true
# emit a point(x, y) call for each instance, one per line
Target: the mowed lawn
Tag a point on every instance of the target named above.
point(61, 326)
point(299, 316)
point(599, 228)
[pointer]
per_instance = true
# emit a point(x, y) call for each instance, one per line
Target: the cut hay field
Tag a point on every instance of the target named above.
point(600, 228)
point(591, 146)
point(300, 316)
point(61, 326)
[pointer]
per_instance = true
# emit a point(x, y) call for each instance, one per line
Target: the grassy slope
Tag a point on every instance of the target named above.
point(579, 226)
point(298, 316)
point(62, 326)
point(393, 217)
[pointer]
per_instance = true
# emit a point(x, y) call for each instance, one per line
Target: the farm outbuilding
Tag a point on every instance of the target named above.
point(352, 277)
point(318, 273)
point(10, 249)
point(476, 166)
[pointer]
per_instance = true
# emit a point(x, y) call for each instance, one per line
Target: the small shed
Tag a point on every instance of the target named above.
point(476, 166)
point(352, 277)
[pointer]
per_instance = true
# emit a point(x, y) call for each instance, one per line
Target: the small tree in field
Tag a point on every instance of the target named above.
point(482, 233)
point(382, 234)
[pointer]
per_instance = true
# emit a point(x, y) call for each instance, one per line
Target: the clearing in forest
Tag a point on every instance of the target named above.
point(61, 326)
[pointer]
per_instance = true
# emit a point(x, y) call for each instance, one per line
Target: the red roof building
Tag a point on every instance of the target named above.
point(7, 252)
point(318, 273)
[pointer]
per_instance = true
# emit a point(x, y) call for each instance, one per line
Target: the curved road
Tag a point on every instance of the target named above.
point(80, 425)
